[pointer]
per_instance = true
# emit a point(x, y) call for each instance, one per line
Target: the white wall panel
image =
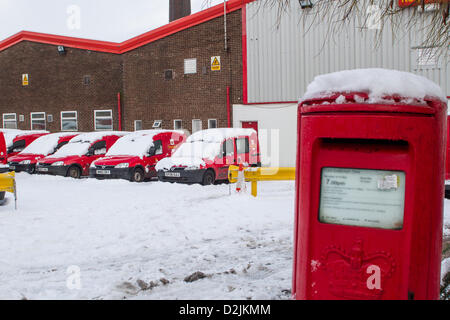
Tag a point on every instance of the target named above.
point(284, 58)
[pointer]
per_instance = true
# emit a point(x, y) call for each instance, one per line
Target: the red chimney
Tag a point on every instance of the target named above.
point(179, 9)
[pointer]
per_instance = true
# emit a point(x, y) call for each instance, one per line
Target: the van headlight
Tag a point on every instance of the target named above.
point(25, 162)
point(122, 165)
point(58, 163)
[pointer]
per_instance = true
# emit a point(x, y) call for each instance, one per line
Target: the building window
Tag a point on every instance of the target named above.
point(196, 125)
point(212, 123)
point(103, 120)
point(38, 121)
point(190, 66)
point(137, 125)
point(9, 121)
point(69, 121)
point(177, 124)
point(157, 124)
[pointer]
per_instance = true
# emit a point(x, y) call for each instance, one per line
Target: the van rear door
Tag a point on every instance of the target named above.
point(227, 158)
point(242, 150)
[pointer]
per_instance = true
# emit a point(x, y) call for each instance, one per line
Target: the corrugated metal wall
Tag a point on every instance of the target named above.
point(284, 58)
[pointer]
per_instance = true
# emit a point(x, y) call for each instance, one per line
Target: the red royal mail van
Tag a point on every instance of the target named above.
point(134, 156)
point(21, 141)
point(206, 155)
point(10, 135)
point(38, 149)
point(75, 158)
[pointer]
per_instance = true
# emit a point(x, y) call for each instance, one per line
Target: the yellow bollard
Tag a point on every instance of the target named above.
point(254, 188)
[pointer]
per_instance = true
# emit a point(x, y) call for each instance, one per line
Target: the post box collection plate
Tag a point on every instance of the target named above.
point(361, 197)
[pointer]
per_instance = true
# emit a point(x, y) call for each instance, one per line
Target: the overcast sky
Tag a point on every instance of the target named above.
point(109, 20)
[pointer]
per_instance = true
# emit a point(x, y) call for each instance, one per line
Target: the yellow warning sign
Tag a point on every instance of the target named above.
point(25, 79)
point(215, 63)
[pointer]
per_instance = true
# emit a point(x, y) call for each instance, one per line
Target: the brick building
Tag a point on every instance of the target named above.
point(162, 79)
point(165, 79)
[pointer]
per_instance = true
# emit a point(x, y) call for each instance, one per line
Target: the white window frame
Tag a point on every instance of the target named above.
point(142, 126)
point(69, 118)
point(181, 124)
point(209, 126)
point(9, 120)
point(186, 63)
point(159, 126)
point(103, 117)
point(201, 127)
point(44, 118)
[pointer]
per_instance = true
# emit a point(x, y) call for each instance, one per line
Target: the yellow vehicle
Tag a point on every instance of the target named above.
point(8, 184)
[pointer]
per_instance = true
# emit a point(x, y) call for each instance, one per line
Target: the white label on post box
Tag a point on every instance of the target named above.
point(361, 197)
point(388, 182)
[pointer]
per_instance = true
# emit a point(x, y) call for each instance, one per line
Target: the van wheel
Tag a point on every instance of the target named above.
point(138, 175)
point(208, 178)
point(2, 196)
point(74, 172)
point(32, 170)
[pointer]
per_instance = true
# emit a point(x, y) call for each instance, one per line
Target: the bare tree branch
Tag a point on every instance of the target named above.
point(338, 14)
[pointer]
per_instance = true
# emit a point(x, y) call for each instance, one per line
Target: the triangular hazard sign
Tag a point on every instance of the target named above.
point(25, 79)
point(216, 62)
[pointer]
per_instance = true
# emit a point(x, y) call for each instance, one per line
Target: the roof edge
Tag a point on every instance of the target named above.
point(128, 45)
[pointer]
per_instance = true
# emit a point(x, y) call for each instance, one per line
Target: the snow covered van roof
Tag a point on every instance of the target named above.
point(46, 144)
point(201, 145)
point(219, 134)
point(11, 134)
point(80, 144)
point(136, 143)
point(93, 136)
point(378, 83)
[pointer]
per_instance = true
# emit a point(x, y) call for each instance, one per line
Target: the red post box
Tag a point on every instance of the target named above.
point(369, 197)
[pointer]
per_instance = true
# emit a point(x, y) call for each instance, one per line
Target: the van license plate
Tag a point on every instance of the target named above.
point(172, 174)
point(103, 172)
point(43, 169)
point(12, 167)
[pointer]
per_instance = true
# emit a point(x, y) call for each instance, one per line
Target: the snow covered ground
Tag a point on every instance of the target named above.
point(118, 233)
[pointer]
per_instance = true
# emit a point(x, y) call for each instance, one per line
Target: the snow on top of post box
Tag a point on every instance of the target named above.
point(377, 83)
